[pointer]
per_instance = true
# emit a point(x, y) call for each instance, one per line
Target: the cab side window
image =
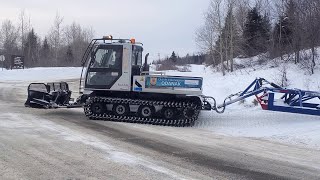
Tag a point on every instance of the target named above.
point(137, 56)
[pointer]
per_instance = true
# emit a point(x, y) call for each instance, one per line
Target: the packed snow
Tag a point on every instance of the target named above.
point(240, 119)
point(32, 125)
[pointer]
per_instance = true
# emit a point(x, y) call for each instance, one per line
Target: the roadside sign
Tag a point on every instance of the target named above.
point(17, 62)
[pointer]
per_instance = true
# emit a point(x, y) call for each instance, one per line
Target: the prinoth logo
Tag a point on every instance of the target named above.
point(153, 81)
point(123, 85)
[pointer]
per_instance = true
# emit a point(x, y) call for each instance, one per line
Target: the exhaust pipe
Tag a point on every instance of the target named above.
point(146, 66)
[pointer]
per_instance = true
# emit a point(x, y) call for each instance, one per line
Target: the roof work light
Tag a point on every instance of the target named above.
point(108, 37)
point(133, 41)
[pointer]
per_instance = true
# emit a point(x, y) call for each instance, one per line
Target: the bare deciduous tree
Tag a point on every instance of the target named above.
point(241, 11)
point(55, 36)
point(8, 39)
point(309, 12)
point(24, 27)
point(207, 35)
point(77, 38)
point(231, 31)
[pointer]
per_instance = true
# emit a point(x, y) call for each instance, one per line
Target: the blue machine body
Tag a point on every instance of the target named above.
point(177, 82)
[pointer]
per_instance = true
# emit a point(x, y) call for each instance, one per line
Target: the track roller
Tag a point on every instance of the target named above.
point(146, 111)
point(98, 108)
point(168, 113)
point(121, 109)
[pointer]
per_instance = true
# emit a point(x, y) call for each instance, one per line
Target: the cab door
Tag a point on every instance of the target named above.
point(105, 67)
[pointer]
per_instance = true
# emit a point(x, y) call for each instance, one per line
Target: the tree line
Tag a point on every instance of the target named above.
point(274, 28)
point(63, 45)
point(171, 63)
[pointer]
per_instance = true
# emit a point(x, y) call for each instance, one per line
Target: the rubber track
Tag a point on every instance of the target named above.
point(109, 116)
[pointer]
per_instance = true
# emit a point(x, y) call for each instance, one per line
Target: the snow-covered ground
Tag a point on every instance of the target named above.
point(240, 120)
point(40, 74)
point(246, 120)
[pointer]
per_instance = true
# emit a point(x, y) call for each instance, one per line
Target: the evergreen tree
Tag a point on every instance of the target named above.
point(69, 56)
point(173, 57)
point(45, 52)
point(31, 50)
point(256, 33)
point(266, 29)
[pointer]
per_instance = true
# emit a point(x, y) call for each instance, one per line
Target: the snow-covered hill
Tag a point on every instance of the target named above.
point(219, 86)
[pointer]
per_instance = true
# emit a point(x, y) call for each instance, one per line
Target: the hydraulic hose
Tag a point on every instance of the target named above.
point(214, 106)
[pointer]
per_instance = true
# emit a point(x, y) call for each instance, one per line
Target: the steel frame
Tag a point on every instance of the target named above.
point(292, 100)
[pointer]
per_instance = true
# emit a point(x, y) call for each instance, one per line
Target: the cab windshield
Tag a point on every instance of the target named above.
point(105, 57)
point(105, 66)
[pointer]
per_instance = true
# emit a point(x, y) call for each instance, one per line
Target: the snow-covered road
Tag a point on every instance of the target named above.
point(243, 143)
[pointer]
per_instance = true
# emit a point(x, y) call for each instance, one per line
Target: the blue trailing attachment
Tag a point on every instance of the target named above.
point(274, 98)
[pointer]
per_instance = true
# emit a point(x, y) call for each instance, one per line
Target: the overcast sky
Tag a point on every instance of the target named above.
point(162, 25)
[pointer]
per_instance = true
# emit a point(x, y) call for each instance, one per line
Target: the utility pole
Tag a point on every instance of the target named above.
point(2, 59)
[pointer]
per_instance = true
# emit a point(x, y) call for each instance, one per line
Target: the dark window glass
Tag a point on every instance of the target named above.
point(137, 56)
point(101, 78)
point(106, 66)
point(107, 58)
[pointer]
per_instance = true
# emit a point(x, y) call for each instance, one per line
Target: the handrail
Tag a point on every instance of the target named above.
point(152, 73)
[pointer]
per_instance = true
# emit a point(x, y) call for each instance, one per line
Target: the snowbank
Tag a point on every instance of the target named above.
point(40, 74)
